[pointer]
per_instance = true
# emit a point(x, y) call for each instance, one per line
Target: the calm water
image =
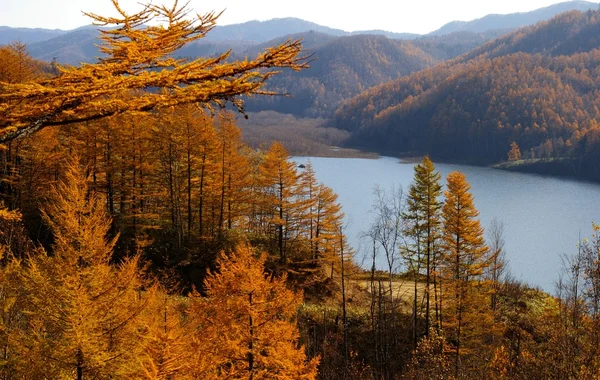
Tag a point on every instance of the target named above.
point(543, 216)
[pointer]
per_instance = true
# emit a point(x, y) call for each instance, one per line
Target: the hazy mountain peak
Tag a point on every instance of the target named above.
point(514, 20)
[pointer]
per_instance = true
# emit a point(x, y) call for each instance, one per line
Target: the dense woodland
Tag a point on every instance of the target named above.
point(347, 66)
point(537, 87)
point(140, 237)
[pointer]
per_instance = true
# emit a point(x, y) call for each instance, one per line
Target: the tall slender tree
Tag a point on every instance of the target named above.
point(423, 228)
point(280, 183)
point(463, 259)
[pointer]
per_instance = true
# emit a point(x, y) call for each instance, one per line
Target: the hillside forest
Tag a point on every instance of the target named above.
point(142, 238)
point(536, 87)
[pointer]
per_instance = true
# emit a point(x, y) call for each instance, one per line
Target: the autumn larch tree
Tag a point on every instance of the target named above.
point(233, 173)
point(17, 67)
point(81, 309)
point(245, 327)
point(137, 57)
point(164, 339)
point(514, 154)
point(280, 182)
point(463, 259)
point(309, 190)
point(422, 226)
point(328, 219)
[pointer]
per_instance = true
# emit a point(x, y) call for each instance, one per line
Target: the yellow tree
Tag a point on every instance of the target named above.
point(138, 57)
point(423, 224)
point(463, 261)
point(309, 189)
point(430, 359)
point(17, 67)
point(245, 327)
point(169, 143)
point(233, 170)
point(163, 333)
point(81, 309)
point(207, 169)
point(514, 154)
point(13, 310)
point(327, 222)
point(280, 182)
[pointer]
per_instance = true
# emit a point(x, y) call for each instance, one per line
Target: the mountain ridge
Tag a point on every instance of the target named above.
point(537, 87)
point(514, 20)
point(256, 32)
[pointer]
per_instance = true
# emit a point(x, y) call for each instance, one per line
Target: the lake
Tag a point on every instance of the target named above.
point(543, 216)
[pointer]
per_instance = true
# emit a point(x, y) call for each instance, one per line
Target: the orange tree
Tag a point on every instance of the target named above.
point(463, 262)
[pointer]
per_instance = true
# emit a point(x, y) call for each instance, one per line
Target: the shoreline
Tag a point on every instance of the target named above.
point(553, 167)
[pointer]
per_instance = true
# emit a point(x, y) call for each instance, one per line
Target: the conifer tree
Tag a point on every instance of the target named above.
point(17, 66)
point(422, 226)
point(327, 223)
point(309, 189)
point(81, 309)
point(463, 260)
point(280, 182)
point(514, 154)
point(164, 336)
point(14, 245)
point(245, 328)
point(207, 170)
point(233, 169)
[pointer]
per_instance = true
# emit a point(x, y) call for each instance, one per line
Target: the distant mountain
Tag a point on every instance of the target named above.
point(27, 35)
point(452, 45)
point(344, 66)
point(537, 86)
point(263, 31)
point(392, 35)
point(347, 65)
point(514, 20)
point(71, 47)
point(310, 42)
point(80, 46)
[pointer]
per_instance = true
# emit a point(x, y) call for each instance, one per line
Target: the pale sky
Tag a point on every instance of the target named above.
point(416, 16)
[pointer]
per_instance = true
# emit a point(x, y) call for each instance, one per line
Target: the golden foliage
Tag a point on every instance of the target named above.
point(81, 309)
point(246, 325)
point(463, 262)
point(514, 154)
point(140, 58)
point(430, 359)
